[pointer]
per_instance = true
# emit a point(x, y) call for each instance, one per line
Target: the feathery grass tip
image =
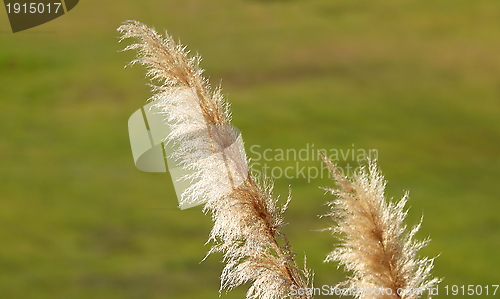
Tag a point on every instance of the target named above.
point(246, 217)
point(375, 244)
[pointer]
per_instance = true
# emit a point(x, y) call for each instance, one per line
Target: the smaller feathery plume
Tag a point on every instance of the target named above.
point(375, 244)
point(247, 220)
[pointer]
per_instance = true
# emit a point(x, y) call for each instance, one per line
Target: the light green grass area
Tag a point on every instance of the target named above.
point(417, 80)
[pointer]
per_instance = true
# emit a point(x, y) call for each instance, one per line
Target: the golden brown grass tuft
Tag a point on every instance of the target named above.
point(247, 220)
point(375, 245)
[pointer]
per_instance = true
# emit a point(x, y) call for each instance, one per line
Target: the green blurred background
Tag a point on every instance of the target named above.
point(417, 80)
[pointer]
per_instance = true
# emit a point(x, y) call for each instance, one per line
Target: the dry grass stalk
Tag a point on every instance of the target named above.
point(246, 218)
point(374, 242)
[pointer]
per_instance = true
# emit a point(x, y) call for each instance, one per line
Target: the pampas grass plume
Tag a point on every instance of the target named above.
point(375, 245)
point(247, 220)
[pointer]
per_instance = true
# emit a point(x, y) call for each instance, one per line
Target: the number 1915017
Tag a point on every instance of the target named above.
point(471, 290)
point(32, 8)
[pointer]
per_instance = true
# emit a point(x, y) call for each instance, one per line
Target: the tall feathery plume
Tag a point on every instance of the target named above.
point(374, 242)
point(246, 217)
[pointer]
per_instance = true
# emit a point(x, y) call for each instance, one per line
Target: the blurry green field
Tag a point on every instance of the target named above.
point(417, 80)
